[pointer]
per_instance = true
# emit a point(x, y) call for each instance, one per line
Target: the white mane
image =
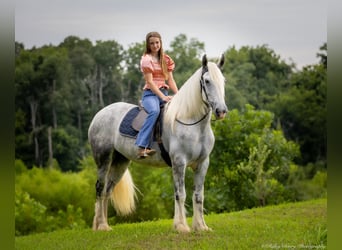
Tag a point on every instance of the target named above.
point(187, 105)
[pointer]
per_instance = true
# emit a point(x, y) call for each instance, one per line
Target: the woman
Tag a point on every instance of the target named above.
point(157, 69)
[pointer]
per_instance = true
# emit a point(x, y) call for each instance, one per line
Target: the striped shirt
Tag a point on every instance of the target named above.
point(147, 65)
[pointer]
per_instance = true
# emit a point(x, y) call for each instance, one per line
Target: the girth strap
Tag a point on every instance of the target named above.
point(164, 154)
point(158, 131)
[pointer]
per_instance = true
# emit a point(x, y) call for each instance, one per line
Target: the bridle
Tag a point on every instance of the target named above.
point(203, 89)
point(206, 102)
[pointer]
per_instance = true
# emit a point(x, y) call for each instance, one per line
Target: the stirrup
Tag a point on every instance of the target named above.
point(142, 154)
point(145, 152)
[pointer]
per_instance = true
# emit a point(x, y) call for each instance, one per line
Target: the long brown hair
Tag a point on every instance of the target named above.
point(160, 53)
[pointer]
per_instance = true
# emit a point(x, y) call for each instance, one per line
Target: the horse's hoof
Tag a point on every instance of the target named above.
point(104, 227)
point(202, 228)
point(182, 228)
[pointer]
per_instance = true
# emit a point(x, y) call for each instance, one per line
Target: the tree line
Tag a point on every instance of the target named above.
point(59, 88)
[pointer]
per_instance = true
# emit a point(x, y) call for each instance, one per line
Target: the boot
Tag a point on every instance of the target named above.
point(145, 152)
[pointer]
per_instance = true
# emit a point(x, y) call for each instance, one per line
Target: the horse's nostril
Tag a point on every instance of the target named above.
point(218, 111)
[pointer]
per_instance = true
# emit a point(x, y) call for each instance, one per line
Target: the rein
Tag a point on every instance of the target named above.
point(204, 70)
point(191, 124)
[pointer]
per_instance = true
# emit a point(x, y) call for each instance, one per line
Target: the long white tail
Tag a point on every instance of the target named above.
point(123, 195)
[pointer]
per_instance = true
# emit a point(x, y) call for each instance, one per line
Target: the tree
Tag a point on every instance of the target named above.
point(82, 67)
point(43, 93)
point(186, 54)
point(259, 77)
point(108, 56)
point(256, 75)
point(28, 92)
point(60, 88)
point(66, 147)
point(302, 112)
point(250, 162)
point(133, 79)
point(323, 55)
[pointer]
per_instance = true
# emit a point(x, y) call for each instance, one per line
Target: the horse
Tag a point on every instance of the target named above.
point(186, 135)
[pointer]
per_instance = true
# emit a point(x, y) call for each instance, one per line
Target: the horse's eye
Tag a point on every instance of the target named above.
point(207, 81)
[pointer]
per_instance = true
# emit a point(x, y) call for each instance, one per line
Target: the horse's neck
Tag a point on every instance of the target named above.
point(187, 106)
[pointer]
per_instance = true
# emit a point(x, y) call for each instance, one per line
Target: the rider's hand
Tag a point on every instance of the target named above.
point(167, 98)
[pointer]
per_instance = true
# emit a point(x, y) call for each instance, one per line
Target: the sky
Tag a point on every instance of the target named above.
point(294, 29)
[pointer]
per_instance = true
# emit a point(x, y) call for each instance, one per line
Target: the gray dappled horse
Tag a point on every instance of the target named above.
point(186, 135)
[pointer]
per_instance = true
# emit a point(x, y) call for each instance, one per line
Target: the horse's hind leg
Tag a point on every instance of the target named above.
point(121, 188)
point(108, 178)
point(103, 162)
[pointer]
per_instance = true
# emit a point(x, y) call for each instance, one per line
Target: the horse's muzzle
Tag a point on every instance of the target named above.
point(220, 113)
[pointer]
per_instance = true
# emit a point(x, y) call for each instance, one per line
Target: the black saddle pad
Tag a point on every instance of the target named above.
point(126, 128)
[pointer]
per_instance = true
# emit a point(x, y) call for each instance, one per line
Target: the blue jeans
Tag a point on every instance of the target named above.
point(151, 103)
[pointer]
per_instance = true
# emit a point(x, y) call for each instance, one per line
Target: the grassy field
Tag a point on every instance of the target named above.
point(301, 225)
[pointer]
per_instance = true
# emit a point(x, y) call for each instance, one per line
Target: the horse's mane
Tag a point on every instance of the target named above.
point(187, 104)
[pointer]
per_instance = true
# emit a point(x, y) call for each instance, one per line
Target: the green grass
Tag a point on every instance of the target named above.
point(301, 225)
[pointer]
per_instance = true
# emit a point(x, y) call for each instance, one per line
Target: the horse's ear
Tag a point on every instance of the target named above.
point(221, 62)
point(204, 60)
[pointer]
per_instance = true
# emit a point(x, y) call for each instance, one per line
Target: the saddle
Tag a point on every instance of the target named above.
point(132, 123)
point(138, 121)
point(134, 119)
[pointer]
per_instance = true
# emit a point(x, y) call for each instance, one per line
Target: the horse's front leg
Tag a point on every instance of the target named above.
point(179, 222)
point(198, 223)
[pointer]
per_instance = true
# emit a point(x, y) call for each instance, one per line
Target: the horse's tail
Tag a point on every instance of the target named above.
point(123, 195)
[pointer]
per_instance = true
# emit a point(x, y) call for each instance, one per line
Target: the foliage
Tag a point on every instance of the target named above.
point(312, 188)
point(259, 77)
point(251, 165)
point(47, 199)
point(250, 162)
point(186, 54)
point(133, 80)
point(32, 217)
point(302, 111)
point(66, 147)
point(257, 74)
point(29, 214)
point(62, 87)
point(295, 225)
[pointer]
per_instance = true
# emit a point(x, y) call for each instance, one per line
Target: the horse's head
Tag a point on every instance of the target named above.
point(212, 86)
